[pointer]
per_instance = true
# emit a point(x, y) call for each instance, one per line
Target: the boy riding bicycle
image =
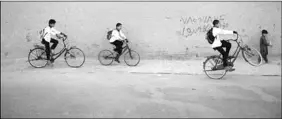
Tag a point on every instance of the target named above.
point(117, 38)
point(218, 44)
point(47, 36)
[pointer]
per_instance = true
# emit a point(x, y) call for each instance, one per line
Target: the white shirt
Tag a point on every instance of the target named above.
point(117, 35)
point(216, 32)
point(49, 32)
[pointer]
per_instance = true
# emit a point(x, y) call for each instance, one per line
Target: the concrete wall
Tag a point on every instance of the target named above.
point(155, 29)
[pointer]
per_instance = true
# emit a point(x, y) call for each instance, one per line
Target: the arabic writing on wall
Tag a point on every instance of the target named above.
point(194, 25)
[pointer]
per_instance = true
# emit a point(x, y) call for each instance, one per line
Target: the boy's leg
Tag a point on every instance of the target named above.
point(47, 48)
point(227, 45)
point(115, 44)
point(119, 49)
point(264, 56)
point(223, 53)
point(55, 43)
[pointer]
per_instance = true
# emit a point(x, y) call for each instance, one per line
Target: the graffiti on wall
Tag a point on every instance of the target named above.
point(194, 25)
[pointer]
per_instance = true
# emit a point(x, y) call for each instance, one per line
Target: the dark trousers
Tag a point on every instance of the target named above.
point(225, 54)
point(118, 45)
point(47, 46)
point(264, 53)
point(264, 56)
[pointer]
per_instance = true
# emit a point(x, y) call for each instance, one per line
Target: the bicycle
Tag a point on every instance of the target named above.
point(106, 57)
point(40, 56)
point(216, 61)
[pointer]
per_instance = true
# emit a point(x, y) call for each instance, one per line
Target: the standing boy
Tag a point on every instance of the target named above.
point(263, 45)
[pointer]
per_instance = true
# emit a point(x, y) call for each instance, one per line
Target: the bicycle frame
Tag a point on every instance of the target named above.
point(125, 48)
point(237, 51)
point(57, 55)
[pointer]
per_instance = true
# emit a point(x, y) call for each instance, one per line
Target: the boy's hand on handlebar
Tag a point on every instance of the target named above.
point(235, 32)
point(126, 40)
point(64, 34)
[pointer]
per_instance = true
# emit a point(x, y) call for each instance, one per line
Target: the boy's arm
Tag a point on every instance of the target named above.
point(56, 32)
point(221, 31)
point(122, 35)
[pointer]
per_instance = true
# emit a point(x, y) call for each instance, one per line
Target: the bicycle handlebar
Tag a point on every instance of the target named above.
point(234, 39)
point(237, 37)
point(64, 37)
point(126, 41)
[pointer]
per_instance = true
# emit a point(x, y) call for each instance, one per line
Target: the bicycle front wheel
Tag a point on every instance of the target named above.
point(213, 67)
point(106, 57)
point(252, 56)
point(37, 58)
point(75, 57)
point(132, 58)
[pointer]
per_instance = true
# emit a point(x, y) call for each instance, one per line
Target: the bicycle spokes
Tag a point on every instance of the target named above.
point(105, 57)
point(109, 57)
point(72, 56)
point(252, 56)
point(213, 67)
point(75, 57)
point(249, 53)
point(131, 58)
point(37, 58)
point(38, 55)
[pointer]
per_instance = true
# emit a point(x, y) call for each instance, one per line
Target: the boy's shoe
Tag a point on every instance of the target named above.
point(117, 60)
point(49, 62)
point(219, 67)
point(52, 60)
point(230, 64)
point(229, 68)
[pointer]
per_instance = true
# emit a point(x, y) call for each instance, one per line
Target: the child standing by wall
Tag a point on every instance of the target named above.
point(264, 45)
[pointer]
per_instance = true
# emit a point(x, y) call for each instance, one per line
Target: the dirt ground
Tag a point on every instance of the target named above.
point(97, 91)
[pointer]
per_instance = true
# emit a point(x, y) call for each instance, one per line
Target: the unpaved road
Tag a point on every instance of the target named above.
point(94, 92)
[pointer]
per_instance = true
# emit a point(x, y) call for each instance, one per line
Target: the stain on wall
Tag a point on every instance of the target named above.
point(154, 29)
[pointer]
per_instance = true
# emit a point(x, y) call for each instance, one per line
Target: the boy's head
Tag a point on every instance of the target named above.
point(264, 32)
point(52, 22)
point(216, 23)
point(118, 26)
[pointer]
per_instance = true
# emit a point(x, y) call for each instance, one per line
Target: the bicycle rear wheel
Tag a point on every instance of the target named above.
point(252, 56)
point(37, 58)
point(75, 57)
point(106, 57)
point(213, 67)
point(131, 58)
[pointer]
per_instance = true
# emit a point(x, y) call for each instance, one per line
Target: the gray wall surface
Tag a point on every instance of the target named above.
point(154, 28)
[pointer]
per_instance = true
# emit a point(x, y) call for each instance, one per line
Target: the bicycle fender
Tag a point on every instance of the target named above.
point(73, 47)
